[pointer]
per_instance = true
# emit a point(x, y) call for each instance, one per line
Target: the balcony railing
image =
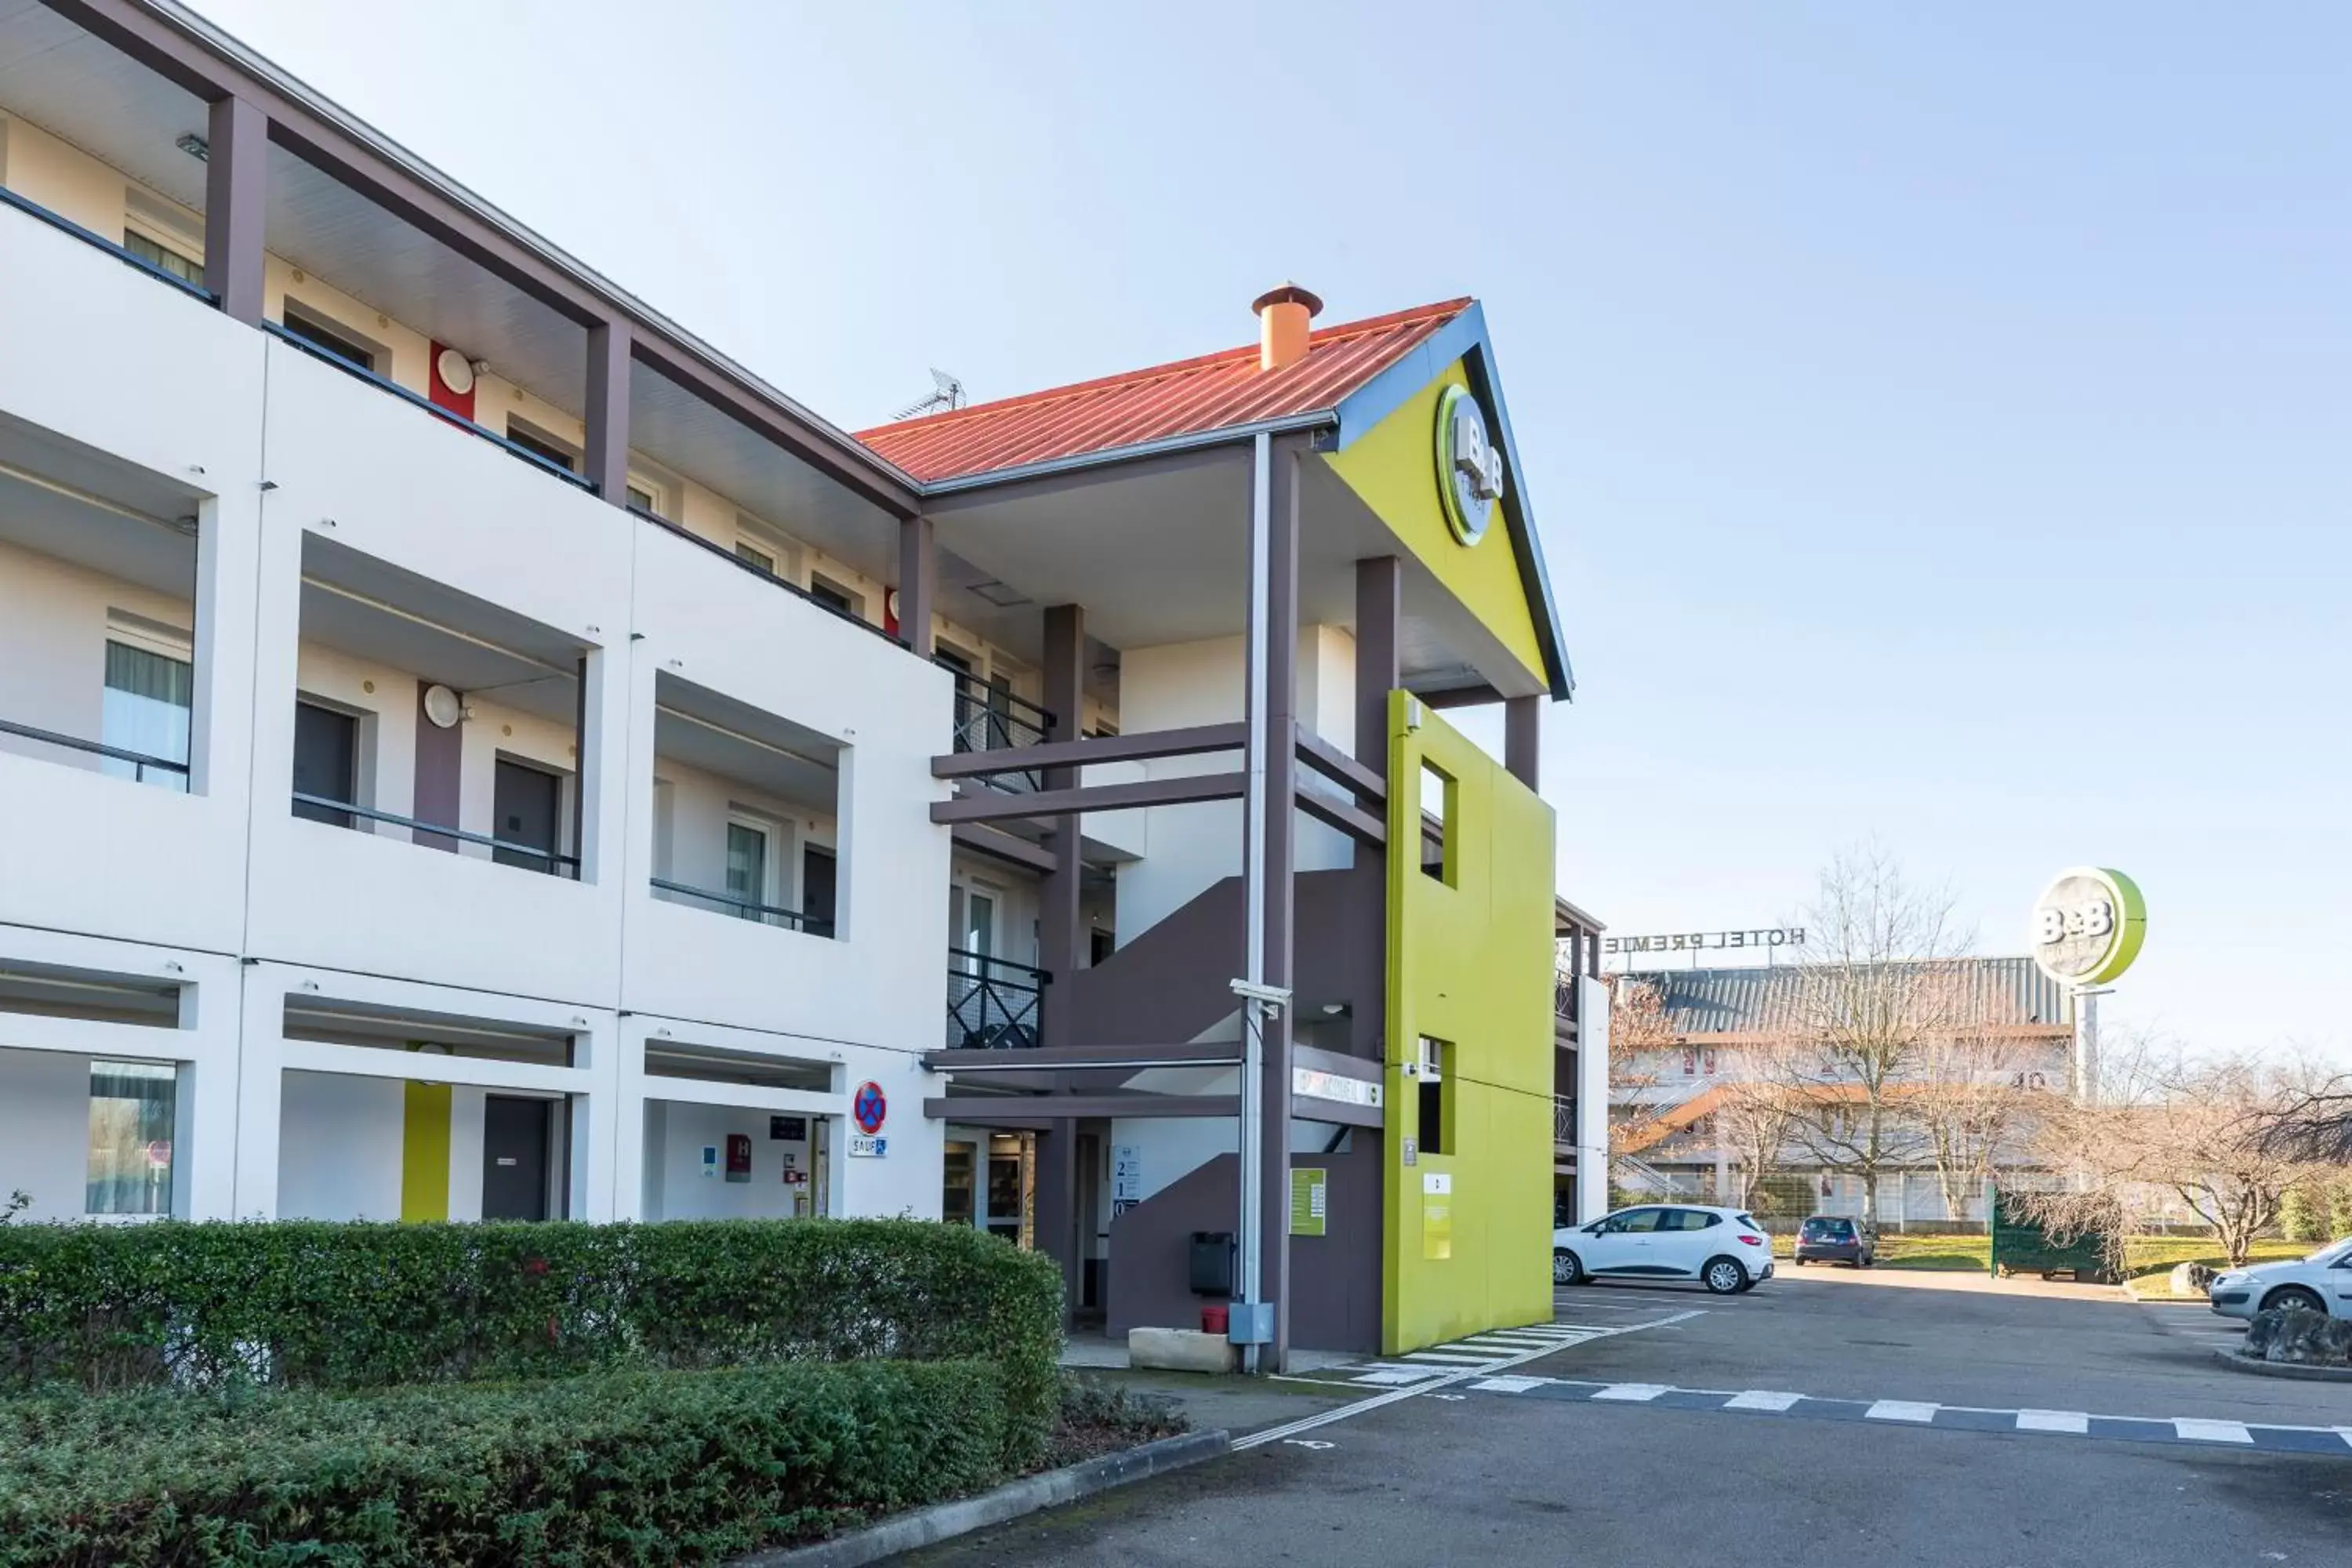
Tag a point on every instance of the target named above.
point(339, 814)
point(1563, 994)
point(992, 1004)
point(138, 761)
point(99, 241)
point(1563, 1119)
point(447, 416)
point(747, 909)
point(991, 719)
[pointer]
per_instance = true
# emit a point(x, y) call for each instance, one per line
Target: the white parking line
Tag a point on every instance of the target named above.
point(1451, 1357)
point(1901, 1410)
point(2197, 1431)
point(1761, 1399)
point(1432, 1385)
point(2073, 1421)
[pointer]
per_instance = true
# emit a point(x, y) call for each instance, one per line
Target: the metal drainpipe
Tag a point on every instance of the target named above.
point(1253, 1175)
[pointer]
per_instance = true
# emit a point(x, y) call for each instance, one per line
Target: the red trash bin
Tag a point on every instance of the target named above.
point(1215, 1319)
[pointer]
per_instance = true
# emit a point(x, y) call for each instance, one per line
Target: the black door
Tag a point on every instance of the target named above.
point(818, 869)
point(514, 1157)
point(326, 752)
point(524, 803)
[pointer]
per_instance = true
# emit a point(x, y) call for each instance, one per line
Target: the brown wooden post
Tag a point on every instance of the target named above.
point(1058, 925)
point(607, 418)
point(237, 197)
point(919, 572)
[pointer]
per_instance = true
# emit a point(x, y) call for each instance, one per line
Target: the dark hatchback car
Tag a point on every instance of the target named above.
point(1834, 1239)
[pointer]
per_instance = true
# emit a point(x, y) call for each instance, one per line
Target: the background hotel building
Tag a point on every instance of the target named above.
point(469, 749)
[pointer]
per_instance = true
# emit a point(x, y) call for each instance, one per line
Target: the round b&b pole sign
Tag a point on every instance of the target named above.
point(2088, 926)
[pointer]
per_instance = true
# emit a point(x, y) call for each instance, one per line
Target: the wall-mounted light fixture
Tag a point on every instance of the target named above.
point(196, 147)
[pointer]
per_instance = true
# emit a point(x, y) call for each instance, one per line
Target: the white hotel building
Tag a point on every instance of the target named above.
point(468, 749)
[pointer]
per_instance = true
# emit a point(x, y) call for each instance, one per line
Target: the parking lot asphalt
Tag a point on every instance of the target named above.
point(1836, 1415)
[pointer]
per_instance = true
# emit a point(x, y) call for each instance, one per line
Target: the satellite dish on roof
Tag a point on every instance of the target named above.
point(945, 396)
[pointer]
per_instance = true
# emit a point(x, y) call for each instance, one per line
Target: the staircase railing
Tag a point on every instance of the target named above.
point(993, 1003)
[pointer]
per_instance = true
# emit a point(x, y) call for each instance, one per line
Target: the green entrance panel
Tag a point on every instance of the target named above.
point(1467, 1153)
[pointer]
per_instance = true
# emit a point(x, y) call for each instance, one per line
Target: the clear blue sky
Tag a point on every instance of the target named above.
point(1937, 417)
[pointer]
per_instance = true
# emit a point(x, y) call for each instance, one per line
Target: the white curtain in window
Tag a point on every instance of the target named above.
point(147, 702)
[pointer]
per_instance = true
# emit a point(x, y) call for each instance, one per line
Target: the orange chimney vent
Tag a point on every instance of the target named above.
point(1283, 315)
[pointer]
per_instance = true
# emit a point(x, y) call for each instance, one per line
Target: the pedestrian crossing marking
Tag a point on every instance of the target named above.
point(2196, 1431)
point(2073, 1421)
point(1762, 1399)
point(1508, 1384)
point(1634, 1393)
point(1901, 1410)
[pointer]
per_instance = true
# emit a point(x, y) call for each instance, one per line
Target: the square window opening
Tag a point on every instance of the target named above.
point(1440, 835)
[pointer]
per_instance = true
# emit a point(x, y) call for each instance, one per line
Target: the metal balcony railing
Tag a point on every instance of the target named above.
point(991, 719)
point(506, 851)
point(138, 761)
point(747, 909)
point(1563, 1119)
point(992, 1004)
point(66, 225)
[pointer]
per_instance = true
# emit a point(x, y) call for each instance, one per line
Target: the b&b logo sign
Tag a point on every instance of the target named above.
point(1469, 464)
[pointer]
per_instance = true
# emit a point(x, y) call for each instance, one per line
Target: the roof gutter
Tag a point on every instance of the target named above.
point(1227, 435)
point(391, 152)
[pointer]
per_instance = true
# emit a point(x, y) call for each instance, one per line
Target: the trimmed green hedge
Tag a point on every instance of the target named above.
point(316, 1305)
point(618, 1467)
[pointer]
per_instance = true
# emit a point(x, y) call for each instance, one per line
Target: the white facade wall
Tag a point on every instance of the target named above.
point(1186, 849)
point(225, 892)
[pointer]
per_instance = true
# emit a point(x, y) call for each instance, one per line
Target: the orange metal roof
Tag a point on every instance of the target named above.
point(1214, 392)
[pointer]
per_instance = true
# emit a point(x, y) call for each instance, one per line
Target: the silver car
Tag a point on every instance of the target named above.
point(2319, 1283)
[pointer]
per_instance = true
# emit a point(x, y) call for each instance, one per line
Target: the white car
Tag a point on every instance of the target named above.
point(2319, 1283)
point(1724, 1250)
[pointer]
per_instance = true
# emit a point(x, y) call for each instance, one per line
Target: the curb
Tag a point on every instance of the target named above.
point(2243, 1363)
point(946, 1520)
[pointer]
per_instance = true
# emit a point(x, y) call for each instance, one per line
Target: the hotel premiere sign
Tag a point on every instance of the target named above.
point(1706, 941)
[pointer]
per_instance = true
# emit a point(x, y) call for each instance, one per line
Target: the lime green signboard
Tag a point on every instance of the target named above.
point(2088, 926)
point(1310, 1207)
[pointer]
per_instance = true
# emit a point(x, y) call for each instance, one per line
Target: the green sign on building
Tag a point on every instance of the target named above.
point(1309, 1200)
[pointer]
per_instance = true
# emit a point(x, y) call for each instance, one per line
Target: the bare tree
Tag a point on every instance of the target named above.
point(1755, 1117)
point(2195, 1129)
point(1967, 1099)
point(1876, 985)
point(1640, 1037)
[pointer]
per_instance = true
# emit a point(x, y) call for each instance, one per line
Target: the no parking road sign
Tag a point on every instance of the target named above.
point(869, 1108)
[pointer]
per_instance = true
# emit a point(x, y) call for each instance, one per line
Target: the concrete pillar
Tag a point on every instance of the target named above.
point(236, 195)
point(1523, 740)
point(606, 416)
point(1281, 700)
point(917, 583)
point(1059, 928)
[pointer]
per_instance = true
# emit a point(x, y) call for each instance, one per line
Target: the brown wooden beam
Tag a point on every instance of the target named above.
point(1356, 822)
point(984, 1109)
point(1186, 742)
point(1339, 767)
point(993, 806)
point(982, 839)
